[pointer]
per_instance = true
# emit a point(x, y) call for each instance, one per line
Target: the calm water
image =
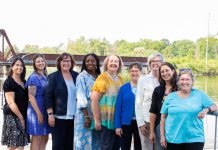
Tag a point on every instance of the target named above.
point(208, 85)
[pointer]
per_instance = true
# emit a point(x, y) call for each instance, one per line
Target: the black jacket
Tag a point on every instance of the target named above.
point(56, 94)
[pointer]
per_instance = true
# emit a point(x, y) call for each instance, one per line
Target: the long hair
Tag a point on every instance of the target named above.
point(61, 57)
point(23, 74)
point(173, 80)
point(97, 70)
point(34, 63)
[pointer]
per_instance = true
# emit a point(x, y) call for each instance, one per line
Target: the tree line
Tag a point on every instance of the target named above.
point(183, 53)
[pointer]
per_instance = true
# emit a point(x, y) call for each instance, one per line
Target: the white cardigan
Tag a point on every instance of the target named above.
point(145, 88)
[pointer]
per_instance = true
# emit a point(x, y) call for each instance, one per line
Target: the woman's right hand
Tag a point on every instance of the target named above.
point(119, 132)
point(40, 118)
point(152, 137)
point(97, 125)
point(163, 142)
point(51, 120)
point(22, 121)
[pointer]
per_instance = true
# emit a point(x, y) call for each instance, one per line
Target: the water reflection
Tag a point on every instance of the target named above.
point(208, 85)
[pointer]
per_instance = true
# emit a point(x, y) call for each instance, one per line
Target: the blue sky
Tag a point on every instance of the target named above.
point(51, 22)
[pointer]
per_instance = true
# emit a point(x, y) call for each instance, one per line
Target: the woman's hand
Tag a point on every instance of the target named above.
point(202, 114)
point(119, 132)
point(97, 125)
point(152, 137)
point(51, 120)
point(87, 122)
point(163, 142)
point(40, 118)
point(22, 121)
point(143, 130)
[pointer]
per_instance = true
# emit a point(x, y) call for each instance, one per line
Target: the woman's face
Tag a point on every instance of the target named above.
point(17, 68)
point(40, 63)
point(155, 63)
point(185, 82)
point(134, 73)
point(66, 64)
point(113, 64)
point(90, 63)
point(166, 73)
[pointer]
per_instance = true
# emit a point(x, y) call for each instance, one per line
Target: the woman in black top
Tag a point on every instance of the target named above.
point(15, 108)
point(167, 79)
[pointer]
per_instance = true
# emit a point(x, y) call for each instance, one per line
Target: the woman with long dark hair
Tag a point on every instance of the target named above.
point(85, 138)
point(16, 95)
point(168, 84)
point(37, 119)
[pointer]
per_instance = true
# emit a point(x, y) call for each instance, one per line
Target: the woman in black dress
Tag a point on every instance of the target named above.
point(15, 108)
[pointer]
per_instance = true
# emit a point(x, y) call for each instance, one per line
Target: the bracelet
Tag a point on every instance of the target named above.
point(209, 109)
point(86, 116)
point(51, 113)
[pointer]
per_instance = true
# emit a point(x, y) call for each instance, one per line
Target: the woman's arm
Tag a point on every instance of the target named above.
point(152, 127)
point(95, 97)
point(212, 108)
point(32, 99)
point(162, 131)
point(10, 98)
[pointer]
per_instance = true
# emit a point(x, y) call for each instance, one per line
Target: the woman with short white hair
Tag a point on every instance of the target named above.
point(145, 88)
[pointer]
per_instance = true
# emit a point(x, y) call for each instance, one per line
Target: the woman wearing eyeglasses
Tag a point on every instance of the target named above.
point(182, 115)
point(145, 88)
point(60, 102)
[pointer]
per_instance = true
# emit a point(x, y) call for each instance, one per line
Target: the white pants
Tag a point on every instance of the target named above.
point(145, 142)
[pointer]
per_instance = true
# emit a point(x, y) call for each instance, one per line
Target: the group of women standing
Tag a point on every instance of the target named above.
point(93, 110)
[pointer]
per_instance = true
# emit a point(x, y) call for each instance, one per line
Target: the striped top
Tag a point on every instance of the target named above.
point(109, 87)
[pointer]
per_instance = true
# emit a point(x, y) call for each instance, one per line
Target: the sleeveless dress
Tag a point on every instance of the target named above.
point(33, 127)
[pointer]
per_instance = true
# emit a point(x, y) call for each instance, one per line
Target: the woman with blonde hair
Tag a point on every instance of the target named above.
point(104, 96)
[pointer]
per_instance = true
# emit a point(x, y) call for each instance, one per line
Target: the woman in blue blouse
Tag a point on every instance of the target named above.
point(125, 121)
point(85, 138)
point(182, 113)
point(60, 102)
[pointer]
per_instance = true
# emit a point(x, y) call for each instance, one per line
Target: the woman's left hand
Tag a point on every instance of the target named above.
point(87, 122)
point(202, 114)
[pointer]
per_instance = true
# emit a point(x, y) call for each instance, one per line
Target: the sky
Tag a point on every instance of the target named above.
point(51, 22)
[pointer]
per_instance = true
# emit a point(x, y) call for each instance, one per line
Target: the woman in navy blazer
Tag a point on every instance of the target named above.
point(125, 122)
point(60, 101)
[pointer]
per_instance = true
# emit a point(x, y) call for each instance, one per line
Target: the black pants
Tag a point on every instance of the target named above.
point(185, 146)
point(126, 138)
point(62, 134)
point(108, 139)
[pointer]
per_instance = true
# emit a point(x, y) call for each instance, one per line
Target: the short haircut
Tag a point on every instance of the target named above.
point(63, 56)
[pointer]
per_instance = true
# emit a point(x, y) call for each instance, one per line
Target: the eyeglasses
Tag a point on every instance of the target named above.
point(185, 70)
point(155, 61)
point(66, 61)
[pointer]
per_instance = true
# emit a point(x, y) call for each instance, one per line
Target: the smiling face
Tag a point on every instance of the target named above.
point(17, 68)
point(155, 63)
point(90, 63)
point(185, 82)
point(40, 63)
point(113, 64)
point(134, 73)
point(66, 64)
point(166, 73)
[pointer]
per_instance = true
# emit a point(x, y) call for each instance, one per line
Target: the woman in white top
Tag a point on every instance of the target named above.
point(145, 88)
